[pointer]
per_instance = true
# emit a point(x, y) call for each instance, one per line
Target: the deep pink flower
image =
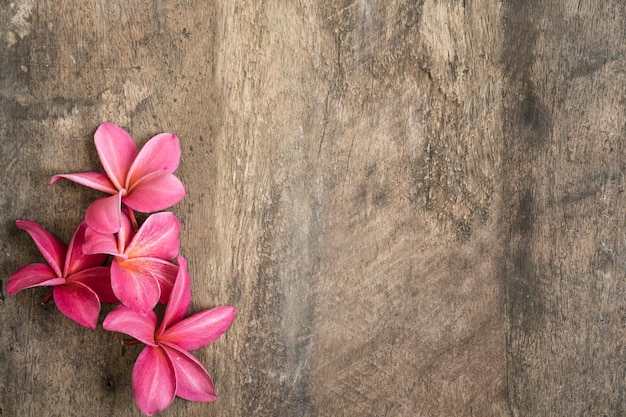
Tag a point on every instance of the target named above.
point(141, 271)
point(80, 281)
point(165, 368)
point(142, 180)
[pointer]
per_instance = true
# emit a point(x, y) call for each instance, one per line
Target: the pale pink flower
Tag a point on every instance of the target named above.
point(141, 271)
point(142, 180)
point(165, 368)
point(80, 281)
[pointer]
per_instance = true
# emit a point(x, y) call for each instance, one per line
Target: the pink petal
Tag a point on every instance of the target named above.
point(52, 249)
point(33, 275)
point(193, 382)
point(166, 275)
point(154, 380)
point(99, 280)
point(178, 303)
point(135, 284)
point(96, 180)
point(100, 243)
point(125, 234)
point(78, 302)
point(161, 153)
point(103, 215)
point(156, 238)
point(154, 192)
point(127, 321)
point(76, 259)
point(117, 151)
point(200, 329)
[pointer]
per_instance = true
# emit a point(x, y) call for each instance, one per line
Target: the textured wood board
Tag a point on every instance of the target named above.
point(415, 206)
point(564, 207)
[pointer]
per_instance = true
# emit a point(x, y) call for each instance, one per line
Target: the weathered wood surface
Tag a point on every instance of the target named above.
point(564, 208)
point(417, 207)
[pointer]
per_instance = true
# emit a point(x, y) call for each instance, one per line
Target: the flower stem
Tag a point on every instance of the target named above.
point(130, 342)
point(133, 220)
point(46, 298)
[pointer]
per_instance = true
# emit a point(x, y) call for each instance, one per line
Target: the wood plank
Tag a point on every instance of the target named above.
point(415, 206)
point(564, 207)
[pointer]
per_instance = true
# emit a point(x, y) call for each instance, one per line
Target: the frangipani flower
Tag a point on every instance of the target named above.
point(141, 271)
point(142, 180)
point(80, 281)
point(165, 369)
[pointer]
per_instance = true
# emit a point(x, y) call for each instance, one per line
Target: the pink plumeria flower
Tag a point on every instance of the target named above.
point(142, 180)
point(165, 368)
point(80, 281)
point(141, 271)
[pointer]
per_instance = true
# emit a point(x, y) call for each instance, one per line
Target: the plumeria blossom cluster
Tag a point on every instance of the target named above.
point(111, 258)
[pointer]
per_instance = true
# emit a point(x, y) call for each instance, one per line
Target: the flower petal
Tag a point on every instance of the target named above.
point(103, 215)
point(135, 284)
point(99, 280)
point(117, 151)
point(200, 329)
point(161, 153)
point(52, 249)
point(76, 259)
point(154, 192)
point(156, 238)
point(178, 303)
point(154, 380)
point(125, 234)
point(100, 243)
point(33, 275)
point(77, 302)
point(193, 382)
point(96, 180)
point(127, 321)
point(165, 273)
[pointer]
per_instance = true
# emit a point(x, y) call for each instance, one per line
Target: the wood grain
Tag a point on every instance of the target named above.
point(416, 206)
point(565, 211)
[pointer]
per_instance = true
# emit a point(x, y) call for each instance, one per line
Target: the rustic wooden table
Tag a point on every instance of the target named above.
point(417, 207)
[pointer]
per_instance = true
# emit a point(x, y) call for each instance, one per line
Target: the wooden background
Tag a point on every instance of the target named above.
point(416, 206)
